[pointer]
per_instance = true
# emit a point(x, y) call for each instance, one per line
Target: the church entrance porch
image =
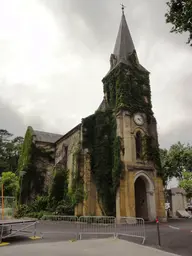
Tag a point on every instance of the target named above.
point(144, 197)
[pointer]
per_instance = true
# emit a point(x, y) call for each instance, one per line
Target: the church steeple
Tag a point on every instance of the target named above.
point(124, 46)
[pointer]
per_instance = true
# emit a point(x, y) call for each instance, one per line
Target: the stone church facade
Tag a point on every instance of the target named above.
point(140, 191)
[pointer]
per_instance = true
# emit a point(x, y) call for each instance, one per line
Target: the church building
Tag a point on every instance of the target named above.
point(113, 155)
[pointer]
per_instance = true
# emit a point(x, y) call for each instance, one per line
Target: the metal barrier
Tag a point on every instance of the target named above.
point(132, 227)
point(67, 225)
point(96, 225)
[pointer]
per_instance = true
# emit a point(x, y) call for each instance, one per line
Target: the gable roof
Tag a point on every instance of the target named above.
point(46, 136)
point(69, 133)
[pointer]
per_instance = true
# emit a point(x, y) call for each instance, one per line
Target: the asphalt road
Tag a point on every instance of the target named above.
point(175, 236)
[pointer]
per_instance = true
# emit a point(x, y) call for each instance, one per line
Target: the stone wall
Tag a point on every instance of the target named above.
point(178, 200)
point(45, 165)
point(66, 147)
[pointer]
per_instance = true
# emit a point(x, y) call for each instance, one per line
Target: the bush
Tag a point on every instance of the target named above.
point(22, 211)
point(34, 210)
point(36, 215)
point(40, 204)
point(65, 208)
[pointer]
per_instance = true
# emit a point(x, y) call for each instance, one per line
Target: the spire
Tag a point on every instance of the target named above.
point(124, 51)
point(124, 44)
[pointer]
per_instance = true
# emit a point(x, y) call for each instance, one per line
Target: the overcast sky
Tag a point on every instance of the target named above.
point(54, 54)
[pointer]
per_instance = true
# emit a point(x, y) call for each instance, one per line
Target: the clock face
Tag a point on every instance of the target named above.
point(138, 118)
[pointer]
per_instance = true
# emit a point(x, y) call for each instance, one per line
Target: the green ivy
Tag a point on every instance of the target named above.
point(99, 136)
point(126, 89)
point(151, 152)
point(25, 166)
point(59, 188)
point(117, 172)
point(32, 177)
point(76, 192)
point(26, 152)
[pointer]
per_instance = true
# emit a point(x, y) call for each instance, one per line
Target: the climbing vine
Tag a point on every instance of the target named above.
point(26, 152)
point(128, 88)
point(59, 186)
point(118, 168)
point(32, 168)
point(99, 137)
point(151, 152)
point(76, 192)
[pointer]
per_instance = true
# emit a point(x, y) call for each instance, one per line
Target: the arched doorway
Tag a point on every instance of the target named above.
point(141, 207)
point(144, 197)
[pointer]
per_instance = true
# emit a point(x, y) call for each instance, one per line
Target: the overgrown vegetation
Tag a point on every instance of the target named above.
point(179, 15)
point(104, 148)
point(32, 168)
point(128, 89)
point(76, 192)
point(58, 201)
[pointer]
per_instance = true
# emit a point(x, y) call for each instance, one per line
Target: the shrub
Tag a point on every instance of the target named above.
point(22, 211)
point(65, 207)
point(40, 204)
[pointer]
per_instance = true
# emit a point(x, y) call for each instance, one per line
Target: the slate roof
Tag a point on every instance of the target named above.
point(46, 136)
point(124, 47)
point(124, 43)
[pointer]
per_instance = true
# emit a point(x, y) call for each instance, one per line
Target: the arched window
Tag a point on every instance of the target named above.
point(138, 143)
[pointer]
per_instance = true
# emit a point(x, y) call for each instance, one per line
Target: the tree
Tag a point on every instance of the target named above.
point(9, 151)
point(10, 183)
point(180, 16)
point(176, 160)
point(186, 183)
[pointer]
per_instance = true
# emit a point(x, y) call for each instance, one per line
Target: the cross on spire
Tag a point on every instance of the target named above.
point(123, 8)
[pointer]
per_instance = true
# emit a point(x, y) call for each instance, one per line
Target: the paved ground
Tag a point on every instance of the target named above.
point(176, 236)
point(100, 247)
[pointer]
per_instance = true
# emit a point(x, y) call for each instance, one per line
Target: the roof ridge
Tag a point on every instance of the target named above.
point(47, 132)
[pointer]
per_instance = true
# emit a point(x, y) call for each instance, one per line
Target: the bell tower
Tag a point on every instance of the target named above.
point(127, 91)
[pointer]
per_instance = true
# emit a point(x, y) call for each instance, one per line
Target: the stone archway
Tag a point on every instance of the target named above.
point(144, 197)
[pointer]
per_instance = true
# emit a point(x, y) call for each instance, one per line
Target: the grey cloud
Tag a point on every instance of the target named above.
point(146, 20)
point(101, 18)
point(11, 120)
point(15, 123)
point(177, 132)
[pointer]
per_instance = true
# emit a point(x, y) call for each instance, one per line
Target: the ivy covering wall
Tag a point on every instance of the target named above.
point(128, 88)
point(125, 88)
point(99, 137)
point(76, 191)
point(32, 168)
